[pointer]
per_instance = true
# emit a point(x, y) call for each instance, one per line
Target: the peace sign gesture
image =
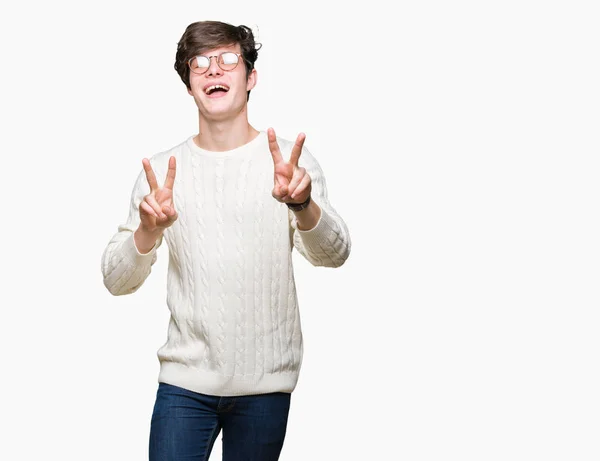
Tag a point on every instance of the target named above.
point(292, 183)
point(157, 211)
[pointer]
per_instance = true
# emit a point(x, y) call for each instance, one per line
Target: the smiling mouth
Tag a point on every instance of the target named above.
point(216, 90)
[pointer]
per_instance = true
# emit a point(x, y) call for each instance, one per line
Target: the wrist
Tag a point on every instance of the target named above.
point(142, 230)
point(299, 206)
point(308, 218)
point(145, 239)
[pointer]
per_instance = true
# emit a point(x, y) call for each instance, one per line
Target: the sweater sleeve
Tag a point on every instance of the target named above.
point(328, 243)
point(124, 268)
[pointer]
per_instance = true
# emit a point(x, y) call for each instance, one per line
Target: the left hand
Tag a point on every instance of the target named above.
point(292, 183)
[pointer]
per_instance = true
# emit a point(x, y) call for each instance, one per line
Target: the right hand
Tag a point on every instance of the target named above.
point(157, 211)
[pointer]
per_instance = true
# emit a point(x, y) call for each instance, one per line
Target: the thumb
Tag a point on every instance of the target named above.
point(280, 187)
point(170, 212)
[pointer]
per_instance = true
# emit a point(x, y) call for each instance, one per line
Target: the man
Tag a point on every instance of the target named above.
point(234, 203)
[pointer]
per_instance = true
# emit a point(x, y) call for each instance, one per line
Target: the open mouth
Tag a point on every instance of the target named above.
point(216, 91)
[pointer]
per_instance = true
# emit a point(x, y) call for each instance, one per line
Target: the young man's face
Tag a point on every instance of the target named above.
point(221, 104)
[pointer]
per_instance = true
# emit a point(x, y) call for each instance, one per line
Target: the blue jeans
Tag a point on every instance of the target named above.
point(185, 425)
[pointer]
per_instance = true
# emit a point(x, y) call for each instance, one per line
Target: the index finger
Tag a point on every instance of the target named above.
point(170, 181)
point(150, 174)
point(297, 149)
point(273, 146)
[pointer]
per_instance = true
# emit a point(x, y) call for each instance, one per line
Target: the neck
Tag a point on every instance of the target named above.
point(223, 135)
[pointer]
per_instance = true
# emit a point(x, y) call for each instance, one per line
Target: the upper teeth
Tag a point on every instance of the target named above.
point(214, 87)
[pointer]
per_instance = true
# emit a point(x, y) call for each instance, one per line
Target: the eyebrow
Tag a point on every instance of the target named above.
point(219, 52)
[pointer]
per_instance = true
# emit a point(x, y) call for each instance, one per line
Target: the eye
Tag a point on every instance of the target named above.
point(229, 58)
point(201, 62)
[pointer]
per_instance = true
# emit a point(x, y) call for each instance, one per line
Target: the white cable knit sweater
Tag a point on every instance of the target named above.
point(235, 325)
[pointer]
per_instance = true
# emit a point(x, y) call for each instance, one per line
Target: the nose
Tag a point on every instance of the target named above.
point(213, 67)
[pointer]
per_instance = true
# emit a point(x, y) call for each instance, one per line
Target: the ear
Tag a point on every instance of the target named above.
point(252, 78)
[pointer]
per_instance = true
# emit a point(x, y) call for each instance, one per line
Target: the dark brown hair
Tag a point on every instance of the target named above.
point(206, 35)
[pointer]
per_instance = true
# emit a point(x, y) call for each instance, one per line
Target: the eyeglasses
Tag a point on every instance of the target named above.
point(226, 61)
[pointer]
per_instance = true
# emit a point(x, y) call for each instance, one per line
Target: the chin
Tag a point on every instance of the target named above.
point(217, 115)
point(220, 111)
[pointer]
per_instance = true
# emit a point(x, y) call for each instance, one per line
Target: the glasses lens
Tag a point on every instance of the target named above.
point(228, 61)
point(199, 64)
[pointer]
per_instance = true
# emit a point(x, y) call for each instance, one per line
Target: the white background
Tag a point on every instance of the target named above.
point(460, 144)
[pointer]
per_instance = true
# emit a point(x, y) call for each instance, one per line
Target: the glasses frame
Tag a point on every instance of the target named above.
point(239, 55)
